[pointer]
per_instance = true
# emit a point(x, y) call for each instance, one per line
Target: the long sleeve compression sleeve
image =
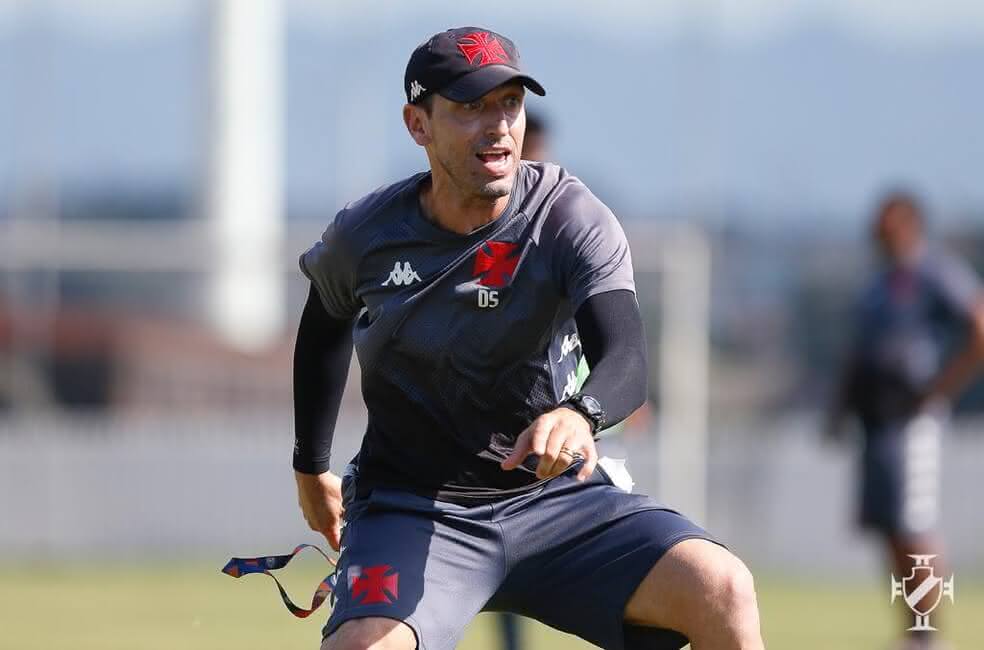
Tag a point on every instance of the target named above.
point(611, 331)
point(322, 356)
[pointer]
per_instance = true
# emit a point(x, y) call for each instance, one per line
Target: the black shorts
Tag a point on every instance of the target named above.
point(900, 476)
point(569, 554)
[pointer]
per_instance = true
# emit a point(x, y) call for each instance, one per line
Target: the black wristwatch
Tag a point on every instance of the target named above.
point(590, 408)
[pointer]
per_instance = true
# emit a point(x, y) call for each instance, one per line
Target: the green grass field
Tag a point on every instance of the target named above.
point(46, 607)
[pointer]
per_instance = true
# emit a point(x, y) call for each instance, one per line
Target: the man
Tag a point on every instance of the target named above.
point(907, 365)
point(471, 291)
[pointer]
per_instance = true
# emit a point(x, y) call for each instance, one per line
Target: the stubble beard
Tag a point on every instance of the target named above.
point(498, 188)
point(491, 190)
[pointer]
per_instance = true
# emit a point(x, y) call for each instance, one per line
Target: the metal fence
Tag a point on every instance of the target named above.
point(222, 484)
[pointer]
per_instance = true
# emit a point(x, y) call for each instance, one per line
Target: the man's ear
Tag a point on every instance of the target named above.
point(418, 124)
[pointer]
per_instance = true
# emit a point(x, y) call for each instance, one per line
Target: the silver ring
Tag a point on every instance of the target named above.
point(573, 454)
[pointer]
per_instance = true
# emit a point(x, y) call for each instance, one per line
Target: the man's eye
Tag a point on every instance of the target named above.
point(512, 102)
point(473, 106)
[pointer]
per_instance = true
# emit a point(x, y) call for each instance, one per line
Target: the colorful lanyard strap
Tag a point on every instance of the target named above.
point(238, 567)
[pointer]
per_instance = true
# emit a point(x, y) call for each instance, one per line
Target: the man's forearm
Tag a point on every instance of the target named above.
point(956, 375)
point(963, 367)
point(322, 356)
point(614, 342)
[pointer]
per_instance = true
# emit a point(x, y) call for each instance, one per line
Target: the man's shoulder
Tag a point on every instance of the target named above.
point(564, 201)
point(549, 179)
point(950, 273)
point(571, 206)
point(360, 216)
point(940, 260)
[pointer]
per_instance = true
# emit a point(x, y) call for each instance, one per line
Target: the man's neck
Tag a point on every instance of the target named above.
point(444, 204)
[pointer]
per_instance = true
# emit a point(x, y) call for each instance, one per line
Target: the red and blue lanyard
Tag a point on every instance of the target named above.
point(238, 567)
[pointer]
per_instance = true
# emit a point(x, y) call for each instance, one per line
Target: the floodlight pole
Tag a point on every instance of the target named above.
point(245, 212)
point(683, 373)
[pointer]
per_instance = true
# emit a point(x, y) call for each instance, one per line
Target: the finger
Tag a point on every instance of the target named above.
point(334, 536)
point(568, 456)
point(519, 452)
point(590, 453)
point(548, 455)
point(531, 441)
point(552, 461)
point(540, 434)
point(311, 512)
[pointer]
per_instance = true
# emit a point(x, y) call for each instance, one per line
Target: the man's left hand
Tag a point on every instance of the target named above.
point(558, 438)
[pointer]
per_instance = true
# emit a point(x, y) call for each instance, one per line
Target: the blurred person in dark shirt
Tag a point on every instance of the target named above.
point(919, 341)
point(536, 145)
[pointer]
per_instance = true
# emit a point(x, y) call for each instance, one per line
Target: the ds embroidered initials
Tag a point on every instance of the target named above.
point(487, 298)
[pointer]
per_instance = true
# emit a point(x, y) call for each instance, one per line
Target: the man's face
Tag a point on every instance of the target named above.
point(478, 144)
point(898, 233)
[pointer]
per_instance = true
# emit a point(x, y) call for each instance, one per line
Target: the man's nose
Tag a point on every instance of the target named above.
point(498, 124)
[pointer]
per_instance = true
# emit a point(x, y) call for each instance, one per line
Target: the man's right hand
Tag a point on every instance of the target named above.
point(320, 498)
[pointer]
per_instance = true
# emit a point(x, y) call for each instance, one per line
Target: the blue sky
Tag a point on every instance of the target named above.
point(763, 109)
point(895, 20)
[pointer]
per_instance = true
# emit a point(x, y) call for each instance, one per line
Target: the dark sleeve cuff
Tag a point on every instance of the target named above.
point(311, 466)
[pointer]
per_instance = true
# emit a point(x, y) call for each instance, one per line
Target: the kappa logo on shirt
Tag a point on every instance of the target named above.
point(401, 275)
point(570, 387)
point(570, 343)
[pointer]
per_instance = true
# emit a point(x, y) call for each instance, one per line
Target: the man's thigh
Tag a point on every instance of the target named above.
point(881, 492)
point(673, 592)
point(579, 552)
point(379, 633)
point(406, 559)
point(900, 476)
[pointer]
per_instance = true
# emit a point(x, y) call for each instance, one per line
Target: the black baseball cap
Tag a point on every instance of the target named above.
point(462, 64)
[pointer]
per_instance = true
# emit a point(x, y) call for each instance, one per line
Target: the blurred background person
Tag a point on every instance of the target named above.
point(919, 341)
point(536, 144)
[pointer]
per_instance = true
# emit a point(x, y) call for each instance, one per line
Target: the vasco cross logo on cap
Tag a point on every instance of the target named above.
point(482, 47)
point(462, 64)
point(922, 591)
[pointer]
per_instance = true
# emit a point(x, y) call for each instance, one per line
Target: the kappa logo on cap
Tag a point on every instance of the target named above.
point(416, 90)
point(480, 48)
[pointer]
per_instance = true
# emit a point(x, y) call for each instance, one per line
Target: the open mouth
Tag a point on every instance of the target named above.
point(495, 161)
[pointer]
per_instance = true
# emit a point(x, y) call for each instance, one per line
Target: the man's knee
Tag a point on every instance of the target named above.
point(718, 579)
point(730, 616)
point(695, 585)
point(732, 586)
point(372, 633)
